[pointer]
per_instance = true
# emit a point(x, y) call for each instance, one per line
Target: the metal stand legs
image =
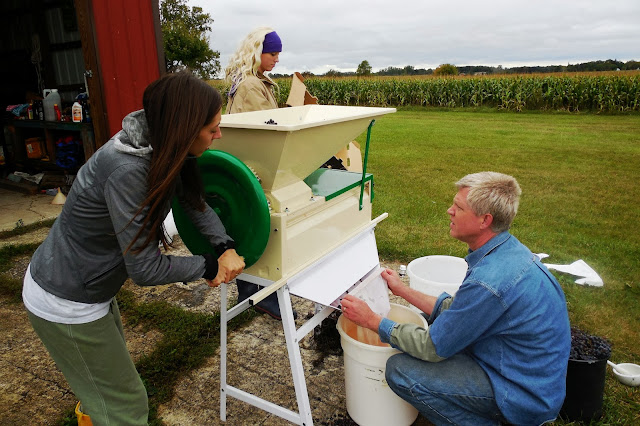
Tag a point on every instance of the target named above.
point(292, 337)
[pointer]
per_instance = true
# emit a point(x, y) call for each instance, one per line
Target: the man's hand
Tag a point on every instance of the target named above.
point(394, 282)
point(230, 265)
point(420, 300)
point(358, 311)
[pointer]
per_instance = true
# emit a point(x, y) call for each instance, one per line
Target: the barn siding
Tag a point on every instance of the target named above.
point(127, 54)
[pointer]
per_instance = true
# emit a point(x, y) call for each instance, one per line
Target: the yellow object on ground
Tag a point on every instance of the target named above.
point(83, 419)
point(59, 199)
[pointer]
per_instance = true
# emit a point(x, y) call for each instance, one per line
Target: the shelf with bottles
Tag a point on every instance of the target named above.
point(36, 127)
point(42, 143)
point(51, 125)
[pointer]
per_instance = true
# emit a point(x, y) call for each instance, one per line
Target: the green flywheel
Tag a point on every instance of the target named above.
point(235, 194)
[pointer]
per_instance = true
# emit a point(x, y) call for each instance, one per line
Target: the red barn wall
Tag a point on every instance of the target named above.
point(127, 39)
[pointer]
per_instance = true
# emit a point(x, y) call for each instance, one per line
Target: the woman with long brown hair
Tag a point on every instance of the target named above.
point(109, 229)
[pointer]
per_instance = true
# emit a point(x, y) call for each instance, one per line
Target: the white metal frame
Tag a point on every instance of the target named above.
point(292, 337)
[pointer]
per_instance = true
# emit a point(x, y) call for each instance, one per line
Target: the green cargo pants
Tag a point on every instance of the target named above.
point(97, 365)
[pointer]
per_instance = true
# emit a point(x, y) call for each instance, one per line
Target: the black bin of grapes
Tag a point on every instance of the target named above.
point(585, 377)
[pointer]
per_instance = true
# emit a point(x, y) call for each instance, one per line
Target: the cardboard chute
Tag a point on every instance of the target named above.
point(349, 156)
point(299, 95)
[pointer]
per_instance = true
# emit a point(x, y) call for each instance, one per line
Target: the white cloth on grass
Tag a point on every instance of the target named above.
point(579, 268)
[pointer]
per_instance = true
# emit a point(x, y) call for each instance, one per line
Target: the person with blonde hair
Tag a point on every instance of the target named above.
point(498, 351)
point(251, 89)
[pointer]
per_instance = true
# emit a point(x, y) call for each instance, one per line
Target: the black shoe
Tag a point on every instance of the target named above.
point(245, 289)
point(268, 305)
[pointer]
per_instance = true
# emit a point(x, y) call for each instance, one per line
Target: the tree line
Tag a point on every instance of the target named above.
point(449, 69)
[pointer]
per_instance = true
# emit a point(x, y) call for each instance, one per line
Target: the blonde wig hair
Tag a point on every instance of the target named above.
point(246, 60)
point(494, 193)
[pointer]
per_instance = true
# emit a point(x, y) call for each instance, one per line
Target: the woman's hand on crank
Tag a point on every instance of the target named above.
point(230, 265)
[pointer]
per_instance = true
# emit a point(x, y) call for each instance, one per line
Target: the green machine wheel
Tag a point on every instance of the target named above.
point(235, 194)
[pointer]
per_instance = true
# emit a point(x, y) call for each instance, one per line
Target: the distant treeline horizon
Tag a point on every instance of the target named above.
point(606, 65)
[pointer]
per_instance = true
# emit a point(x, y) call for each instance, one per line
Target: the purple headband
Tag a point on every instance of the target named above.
point(271, 43)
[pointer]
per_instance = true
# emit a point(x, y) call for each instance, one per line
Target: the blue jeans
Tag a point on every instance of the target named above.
point(453, 391)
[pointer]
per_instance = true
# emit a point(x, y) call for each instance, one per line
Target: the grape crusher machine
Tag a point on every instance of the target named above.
point(295, 224)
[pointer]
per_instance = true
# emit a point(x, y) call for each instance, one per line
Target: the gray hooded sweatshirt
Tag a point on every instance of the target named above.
point(82, 257)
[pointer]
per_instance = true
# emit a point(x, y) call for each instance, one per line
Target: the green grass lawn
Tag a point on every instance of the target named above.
point(581, 200)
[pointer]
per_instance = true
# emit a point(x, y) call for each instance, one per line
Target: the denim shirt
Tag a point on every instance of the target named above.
point(509, 315)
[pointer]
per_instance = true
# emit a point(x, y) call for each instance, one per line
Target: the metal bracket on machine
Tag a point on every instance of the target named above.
point(364, 163)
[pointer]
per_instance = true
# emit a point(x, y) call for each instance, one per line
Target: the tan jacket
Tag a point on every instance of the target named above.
point(253, 94)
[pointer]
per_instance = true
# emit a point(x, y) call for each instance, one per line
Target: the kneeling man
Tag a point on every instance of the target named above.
point(495, 353)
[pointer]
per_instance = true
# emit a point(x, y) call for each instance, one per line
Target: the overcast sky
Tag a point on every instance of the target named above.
point(319, 35)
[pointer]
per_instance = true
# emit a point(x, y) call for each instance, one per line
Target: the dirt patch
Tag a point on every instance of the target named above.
point(33, 391)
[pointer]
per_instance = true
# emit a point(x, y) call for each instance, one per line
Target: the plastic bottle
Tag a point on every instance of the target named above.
point(38, 110)
point(51, 98)
point(403, 270)
point(86, 115)
point(30, 111)
point(57, 111)
point(76, 112)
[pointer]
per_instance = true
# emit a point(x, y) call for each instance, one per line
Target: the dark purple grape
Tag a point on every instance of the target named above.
point(586, 347)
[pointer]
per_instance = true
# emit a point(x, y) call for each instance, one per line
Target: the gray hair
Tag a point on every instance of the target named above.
point(494, 193)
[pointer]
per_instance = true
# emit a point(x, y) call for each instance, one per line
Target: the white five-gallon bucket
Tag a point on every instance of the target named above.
point(370, 401)
point(434, 274)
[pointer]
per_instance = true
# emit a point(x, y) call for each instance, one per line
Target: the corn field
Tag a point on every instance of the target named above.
point(588, 92)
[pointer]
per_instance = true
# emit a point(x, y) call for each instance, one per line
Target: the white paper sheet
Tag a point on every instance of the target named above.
point(375, 292)
point(331, 276)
